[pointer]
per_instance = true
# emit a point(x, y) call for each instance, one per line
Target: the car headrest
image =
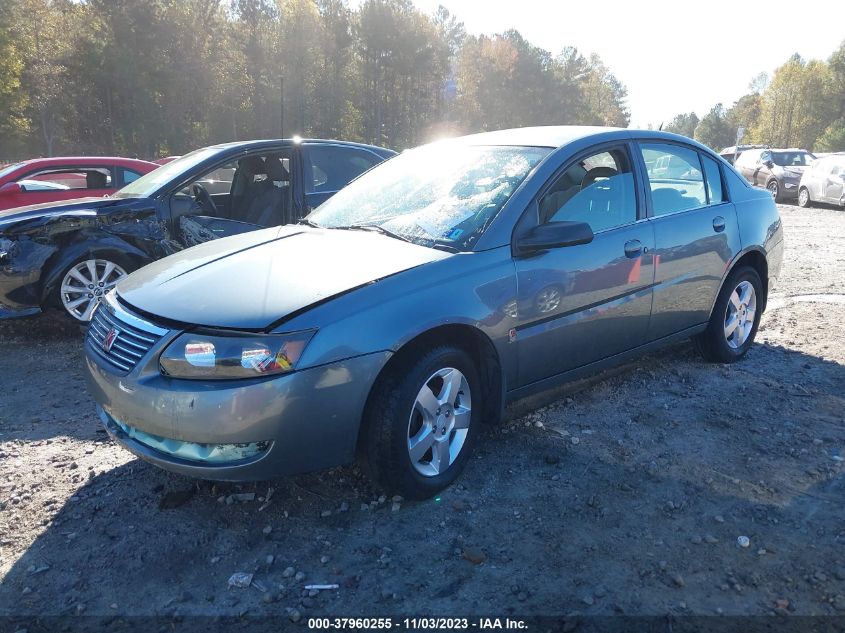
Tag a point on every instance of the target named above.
point(276, 171)
point(595, 174)
point(95, 180)
point(252, 165)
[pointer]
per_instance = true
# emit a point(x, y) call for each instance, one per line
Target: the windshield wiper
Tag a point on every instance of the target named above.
point(309, 223)
point(375, 227)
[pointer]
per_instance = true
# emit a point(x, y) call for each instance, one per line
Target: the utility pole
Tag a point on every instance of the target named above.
point(281, 107)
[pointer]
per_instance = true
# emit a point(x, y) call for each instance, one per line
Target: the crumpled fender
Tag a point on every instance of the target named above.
point(40, 249)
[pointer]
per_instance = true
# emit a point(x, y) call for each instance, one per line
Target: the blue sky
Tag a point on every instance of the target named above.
point(672, 56)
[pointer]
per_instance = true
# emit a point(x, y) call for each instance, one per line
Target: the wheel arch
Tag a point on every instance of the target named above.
point(110, 245)
point(466, 337)
point(754, 257)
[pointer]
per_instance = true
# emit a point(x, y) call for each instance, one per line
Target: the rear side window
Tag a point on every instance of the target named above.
point(714, 180)
point(332, 167)
point(674, 177)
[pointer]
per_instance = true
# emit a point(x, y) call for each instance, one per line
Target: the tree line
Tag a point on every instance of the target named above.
point(801, 105)
point(150, 78)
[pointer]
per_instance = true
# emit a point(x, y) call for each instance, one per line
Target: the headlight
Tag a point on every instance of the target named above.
point(205, 356)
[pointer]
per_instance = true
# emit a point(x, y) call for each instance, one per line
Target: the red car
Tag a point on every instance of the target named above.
point(54, 179)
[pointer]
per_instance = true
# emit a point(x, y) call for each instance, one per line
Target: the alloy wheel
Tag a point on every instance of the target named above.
point(739, 314)
point(803, 198)
point(85, 284)
point(439, 422)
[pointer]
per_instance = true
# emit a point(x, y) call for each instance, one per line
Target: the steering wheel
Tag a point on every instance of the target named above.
point(203, 198)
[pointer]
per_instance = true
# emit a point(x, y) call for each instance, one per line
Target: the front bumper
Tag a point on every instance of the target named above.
point(307, 420)
point(21, 265)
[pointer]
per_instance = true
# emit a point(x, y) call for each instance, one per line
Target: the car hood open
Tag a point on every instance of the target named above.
point(254, 280)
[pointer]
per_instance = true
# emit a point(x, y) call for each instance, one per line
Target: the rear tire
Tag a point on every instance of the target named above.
point(804, 198)
point(421, 422)
point(735, 319)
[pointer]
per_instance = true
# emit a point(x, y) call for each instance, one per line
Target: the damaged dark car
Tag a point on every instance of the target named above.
point(68, 255)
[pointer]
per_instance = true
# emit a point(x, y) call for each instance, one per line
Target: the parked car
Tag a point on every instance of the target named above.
point(733, 152)
point(67, 255)
point(165, 160)
point(824, 181)
point(65, 178)
point(778, 170)
point(425, 307)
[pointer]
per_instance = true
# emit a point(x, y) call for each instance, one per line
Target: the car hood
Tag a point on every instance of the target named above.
point(255, 280)
point(83, 206)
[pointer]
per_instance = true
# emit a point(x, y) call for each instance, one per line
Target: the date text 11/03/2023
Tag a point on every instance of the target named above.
point(416, 624)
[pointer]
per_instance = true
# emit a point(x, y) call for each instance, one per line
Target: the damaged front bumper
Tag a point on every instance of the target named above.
point(20, 277)
point(235, 430)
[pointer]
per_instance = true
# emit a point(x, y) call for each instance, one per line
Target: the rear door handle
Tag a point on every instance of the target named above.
point(718, 224)
point(633, 248)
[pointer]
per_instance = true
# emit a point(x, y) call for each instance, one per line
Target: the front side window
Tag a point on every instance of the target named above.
point(440, 195)
point(674, 177)
point(598, 190)
point(254, 189)
point(333, 167)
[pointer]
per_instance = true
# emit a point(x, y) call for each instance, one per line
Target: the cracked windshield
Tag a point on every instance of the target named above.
point(437, 196)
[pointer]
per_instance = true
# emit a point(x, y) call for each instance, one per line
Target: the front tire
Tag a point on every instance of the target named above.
point(804, 198)
point(735, 319)
point(84, 283)
point(421, 422)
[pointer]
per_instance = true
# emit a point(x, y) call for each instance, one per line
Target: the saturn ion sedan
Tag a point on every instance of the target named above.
point(409, 309)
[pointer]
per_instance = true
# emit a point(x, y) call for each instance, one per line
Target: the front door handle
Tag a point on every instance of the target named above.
point(718, 224)
point(633, 248)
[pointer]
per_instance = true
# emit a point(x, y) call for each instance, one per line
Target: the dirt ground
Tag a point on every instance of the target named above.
point(627, 494)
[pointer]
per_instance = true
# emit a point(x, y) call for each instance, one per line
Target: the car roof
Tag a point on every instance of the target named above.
point(538, 136)
point(557, 136)
point(258, 144)
point(93, 161)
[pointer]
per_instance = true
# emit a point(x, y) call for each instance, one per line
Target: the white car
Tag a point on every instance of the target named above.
point(823, 181)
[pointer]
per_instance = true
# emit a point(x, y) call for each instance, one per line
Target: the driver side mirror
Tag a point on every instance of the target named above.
point(10, 188)
point(769, 163)
point(552, 235)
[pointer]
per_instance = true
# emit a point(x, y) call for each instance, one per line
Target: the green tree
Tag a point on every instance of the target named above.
point(13, 125)
point(683, 124)
point(797, 105)
point(715, 129)
point(605, 96)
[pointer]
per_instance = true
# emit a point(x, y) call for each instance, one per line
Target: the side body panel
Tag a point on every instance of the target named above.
point(469, 289)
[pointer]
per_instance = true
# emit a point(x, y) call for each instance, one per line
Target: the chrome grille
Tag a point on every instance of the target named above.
point(131, 342)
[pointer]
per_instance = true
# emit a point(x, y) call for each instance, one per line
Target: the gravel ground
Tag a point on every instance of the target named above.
point(626, 493)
